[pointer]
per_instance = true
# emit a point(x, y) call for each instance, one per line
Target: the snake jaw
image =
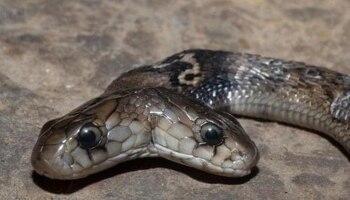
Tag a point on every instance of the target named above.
point(63, 166)
point(237, 168)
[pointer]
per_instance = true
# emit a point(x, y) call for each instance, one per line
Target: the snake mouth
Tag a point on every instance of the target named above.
point(237, 168)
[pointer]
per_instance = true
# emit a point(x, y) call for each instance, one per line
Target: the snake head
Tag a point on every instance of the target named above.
point(190, 133)
point(121, 126)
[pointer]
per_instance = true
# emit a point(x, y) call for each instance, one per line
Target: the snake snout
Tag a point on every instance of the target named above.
point(249, 154)
point(44, 162)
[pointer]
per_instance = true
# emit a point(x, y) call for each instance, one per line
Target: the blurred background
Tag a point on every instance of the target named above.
point(57, 54)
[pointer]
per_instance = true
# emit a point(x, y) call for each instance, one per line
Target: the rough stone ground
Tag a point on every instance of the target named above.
point(56, 54)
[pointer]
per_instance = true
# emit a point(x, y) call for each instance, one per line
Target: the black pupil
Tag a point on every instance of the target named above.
point(212, 134)
point(89, 136)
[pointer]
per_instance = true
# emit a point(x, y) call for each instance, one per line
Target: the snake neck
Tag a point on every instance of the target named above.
point(254, 86)
point(271, 106)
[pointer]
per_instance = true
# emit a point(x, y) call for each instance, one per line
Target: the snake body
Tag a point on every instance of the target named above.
point(180, 109)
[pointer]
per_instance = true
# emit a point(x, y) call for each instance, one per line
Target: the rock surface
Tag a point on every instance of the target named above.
point(54, 55)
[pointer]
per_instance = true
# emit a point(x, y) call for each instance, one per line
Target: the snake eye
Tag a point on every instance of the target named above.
point(212, 134)
point(89, 136)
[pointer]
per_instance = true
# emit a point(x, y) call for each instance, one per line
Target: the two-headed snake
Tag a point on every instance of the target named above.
point(180, 109)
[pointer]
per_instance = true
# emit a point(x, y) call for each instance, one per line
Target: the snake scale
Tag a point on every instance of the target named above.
point(181, 109)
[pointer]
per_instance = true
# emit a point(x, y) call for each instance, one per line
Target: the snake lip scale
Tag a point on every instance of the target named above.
point(181, 109)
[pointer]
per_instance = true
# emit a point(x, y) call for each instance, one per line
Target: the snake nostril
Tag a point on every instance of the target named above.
point(248, 154)
point(251, 158)
point(241, 153)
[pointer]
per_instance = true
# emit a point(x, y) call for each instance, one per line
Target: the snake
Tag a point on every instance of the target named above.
point(183, 109)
